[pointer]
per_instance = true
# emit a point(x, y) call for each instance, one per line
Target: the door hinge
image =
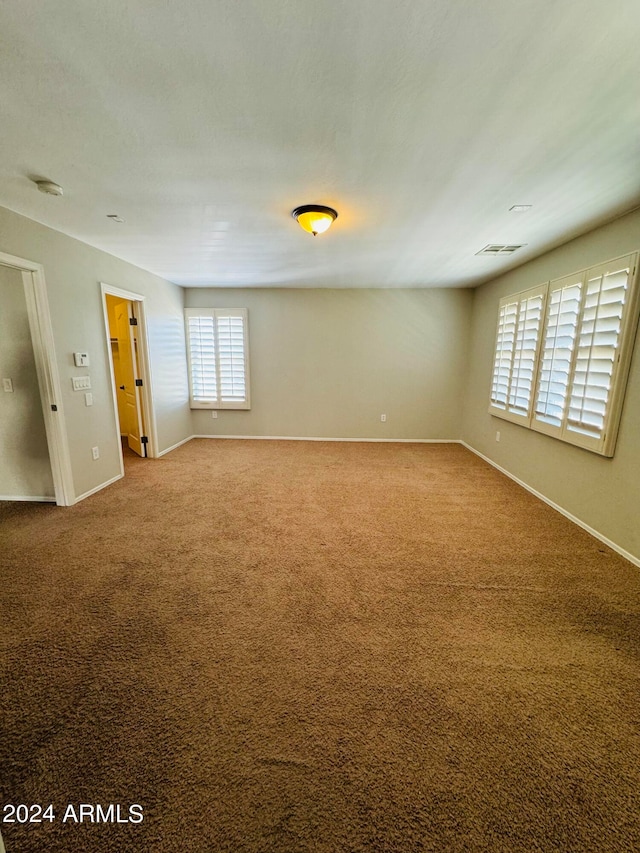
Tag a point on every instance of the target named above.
point(139, 383)
point(133, 321)
point(144, 439)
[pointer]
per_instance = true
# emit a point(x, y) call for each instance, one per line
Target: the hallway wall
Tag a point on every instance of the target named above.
point(73, 272)
point(25, 468)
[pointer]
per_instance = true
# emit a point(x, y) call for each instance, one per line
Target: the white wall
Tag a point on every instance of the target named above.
point(25, 468)
point(73, 273)
point(328, 363)
point(603, 493)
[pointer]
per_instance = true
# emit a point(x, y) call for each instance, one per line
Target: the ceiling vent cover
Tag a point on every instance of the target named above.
point(494, 249)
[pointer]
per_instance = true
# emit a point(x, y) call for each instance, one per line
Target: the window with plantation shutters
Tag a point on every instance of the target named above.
point(581, 366)
point(217, 348)
point(517, 341)
point(588, 339)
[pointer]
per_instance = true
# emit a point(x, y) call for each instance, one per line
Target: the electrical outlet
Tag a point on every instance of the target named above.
point(7, 384)
point(214, 414)
point(88, 399)
point(383, 418)
point(95, 452)
point(498, 436)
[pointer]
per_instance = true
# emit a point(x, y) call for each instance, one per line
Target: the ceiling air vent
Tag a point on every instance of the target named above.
point(493, 249)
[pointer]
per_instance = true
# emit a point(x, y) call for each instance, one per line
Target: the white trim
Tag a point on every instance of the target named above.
point(39, 315)
point(99, 488)
point(145, 367)
point(175, 446)
point(306, 438)
point(34, 498)
point(325, 438)
point(123, 294)
point(626, 554)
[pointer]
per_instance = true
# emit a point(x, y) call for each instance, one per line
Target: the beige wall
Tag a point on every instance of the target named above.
point(25, 468)
point(328, 363)
point(603, 493)
point(73, 273)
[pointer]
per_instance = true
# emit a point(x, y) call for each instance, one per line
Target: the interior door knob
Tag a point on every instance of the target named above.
point(122, 387)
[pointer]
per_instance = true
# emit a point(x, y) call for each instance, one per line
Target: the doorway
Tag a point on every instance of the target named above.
point(129, 365)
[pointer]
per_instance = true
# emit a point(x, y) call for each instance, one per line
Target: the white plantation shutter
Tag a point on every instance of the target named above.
point(558, 344)
point(524, 356)
point(201, 340)
point(505, 341)
point(231, 351)
point(517, 340)
point(218, 358)
point(579, 370)
point(597, 350)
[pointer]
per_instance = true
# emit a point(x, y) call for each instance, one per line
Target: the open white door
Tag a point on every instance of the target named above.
point(130, 369)
point(136, 438)
point(128, 376)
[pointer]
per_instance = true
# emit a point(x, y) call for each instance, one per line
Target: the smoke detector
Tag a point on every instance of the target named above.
point(49, 188)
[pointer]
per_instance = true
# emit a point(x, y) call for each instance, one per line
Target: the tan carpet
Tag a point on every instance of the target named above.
point(291, 647)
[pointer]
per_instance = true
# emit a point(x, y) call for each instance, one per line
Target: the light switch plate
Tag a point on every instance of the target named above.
point(81, 383)
point(88, 399)
point(81, 359)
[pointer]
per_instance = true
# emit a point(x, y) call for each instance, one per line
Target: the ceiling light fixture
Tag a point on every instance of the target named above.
point(314, 218)
point(49, 188)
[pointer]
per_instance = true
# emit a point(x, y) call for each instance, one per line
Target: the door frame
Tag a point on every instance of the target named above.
point(39, 316)
point(145, 366)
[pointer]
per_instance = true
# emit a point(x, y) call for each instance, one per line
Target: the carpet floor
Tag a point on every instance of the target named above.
point(282, 647)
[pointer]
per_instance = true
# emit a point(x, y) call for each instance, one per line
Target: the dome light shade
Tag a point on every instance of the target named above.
point(314, 218)
point(49, 187)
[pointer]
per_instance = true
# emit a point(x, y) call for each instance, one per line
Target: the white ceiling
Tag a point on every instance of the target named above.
point(204, 122)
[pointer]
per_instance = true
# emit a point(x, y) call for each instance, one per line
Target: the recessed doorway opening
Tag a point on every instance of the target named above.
point(130, 376)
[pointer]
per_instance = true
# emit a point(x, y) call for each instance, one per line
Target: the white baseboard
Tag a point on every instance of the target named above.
point(614, 547)
point(174, 446)
point(325, 438)
point(34, 498)
point(98, 488)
